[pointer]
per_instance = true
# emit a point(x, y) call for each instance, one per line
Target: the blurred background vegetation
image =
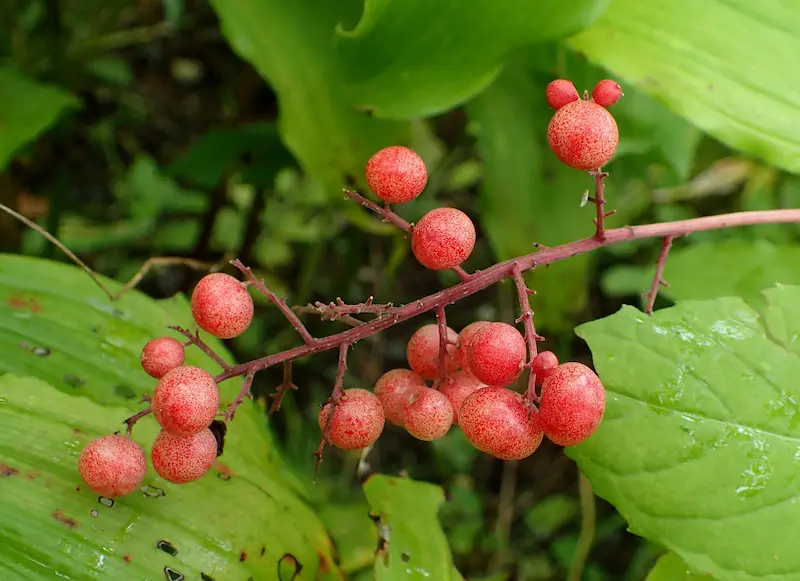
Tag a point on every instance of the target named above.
point(134, 129)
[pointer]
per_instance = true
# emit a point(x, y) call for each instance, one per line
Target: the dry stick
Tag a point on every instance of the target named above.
point(526, 317)
point(243, 393)
point(194, 339)
point(338, 310)
point(311, 309)
point(290, 315)
point(281, 390)
point(336, 395)
point(485, 278)
point(441, 323)
point(658, 279)
point(135, 418)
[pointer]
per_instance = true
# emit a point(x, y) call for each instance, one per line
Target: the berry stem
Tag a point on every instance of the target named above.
point(194, 339)
point(290, 315)
point(336, 395)
point(599, 201)
point(342, 311)
point(485, 278)
point(658, 278)
point(441, 323)
point(281, 390)
point(526, 318)
point(243, 393)
point(135, 418)
point(385, 212)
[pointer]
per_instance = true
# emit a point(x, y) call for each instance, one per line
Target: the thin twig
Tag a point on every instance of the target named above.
point(290, 315)
point(658, 278)
point(281, 390)
point(441, 323)
point(586, 536)
point(505, 515)
point(135, 418)
point(336, 395)
point(599, 201)
point(194, 339)
point(243, 393)
point(341, 310)
point(384, 212)
point(526, 318)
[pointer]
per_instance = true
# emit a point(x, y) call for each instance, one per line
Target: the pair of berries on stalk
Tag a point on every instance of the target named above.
point(185, 401)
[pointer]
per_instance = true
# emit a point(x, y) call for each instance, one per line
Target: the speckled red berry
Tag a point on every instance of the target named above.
point(422, 351)
point(112, 466)
point(607, 92)
point(222, 306)
point(393, 389)
point(572, 404)
point(161, 355)
point(496, 354)
point(560, 92)
point(496, 421)
point(358, 420)
point(182, 459)
point(443, 238)
point(583, 135)
point(544, 364)
point(428, 414)
point(457, 387)
point(464, 338)
point(396, 174)
point(185, 401)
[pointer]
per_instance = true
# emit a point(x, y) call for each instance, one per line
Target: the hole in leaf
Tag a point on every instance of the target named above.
point(167, 547)
point(173, 575)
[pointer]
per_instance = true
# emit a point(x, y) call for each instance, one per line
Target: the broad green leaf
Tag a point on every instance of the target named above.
point(417, 58)
point(353, 532)
point(413, 545)
point(699, 446)
point(670, 567)
point(56, 325)
point(713, 63)
point(732, 267)
point(291, 44)
point(27, 108)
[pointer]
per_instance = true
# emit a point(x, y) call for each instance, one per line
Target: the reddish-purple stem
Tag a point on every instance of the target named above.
point(243, 393)
point(339, 309)
point(281, 390)
point(441, 323)
point(293, 319)
point(383, 211)
point(599, 201)
point(526, 318)
point(658, 278)
point(336, 395)
point(194, 339)
point(135, 418)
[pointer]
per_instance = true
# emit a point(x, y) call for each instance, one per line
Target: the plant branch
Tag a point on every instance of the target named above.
point(384, 212)
point(484, 278)
point(290, 315)
point(599, 202)
point(336, 395)
point(658, 278)
point(281, 390)
point(526, 318)
point(194, 339)
point(586, 536)
point(441, 323)
point(243, 393)
point(135, 418)
point(341, 310)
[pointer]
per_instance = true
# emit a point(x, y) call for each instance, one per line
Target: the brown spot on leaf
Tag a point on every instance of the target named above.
point(243, 556)
point(62, 518)
point(223, 469)
point(324, 567)
point(127, 558)
point(31, 305)
point(6, 470)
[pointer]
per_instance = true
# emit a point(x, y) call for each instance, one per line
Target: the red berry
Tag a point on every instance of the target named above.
point(457, 387)
point(393, 389)
point(464, 338)
point(443, 238)
point(572, 404)
point(606, 93)
point(185, 401)
point(112, 466)
point(496, 354)
point(560, 92)
point(161, 355)
point(422, 351)
point(583, 135)
point(357, 420)
point(396, 174)
point(222, 306)
point(544, 364)
point(497, 422)
point(428, 415)
point(182, 459)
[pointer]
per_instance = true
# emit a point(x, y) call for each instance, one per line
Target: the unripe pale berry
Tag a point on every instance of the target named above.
point(185, 401)
point(572, 404)
point(393, 389)
point(544, 364)
point(422, 351)
point(161, 355)
point(222, 305)
point(428, 414)
point(182, 459)
point(457, 387)
point(607, 92)
point(112, 465)
point(496, 421)
point(443, 238)
point(560, 92)
point(396, 174)
point(464, 338)
point(496, 354)
point(358, 420)
point(583, 135)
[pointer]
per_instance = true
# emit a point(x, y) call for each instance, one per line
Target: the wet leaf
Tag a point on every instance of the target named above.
point(709, 390)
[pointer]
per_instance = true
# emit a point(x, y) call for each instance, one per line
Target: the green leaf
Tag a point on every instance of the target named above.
point(418, 58)
point(353, 532)
point(291, 44)
point(56, 325)
point(413, 544)
point(670, 567)
point(691, 55)
point(700, 442)
point(27, 108)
